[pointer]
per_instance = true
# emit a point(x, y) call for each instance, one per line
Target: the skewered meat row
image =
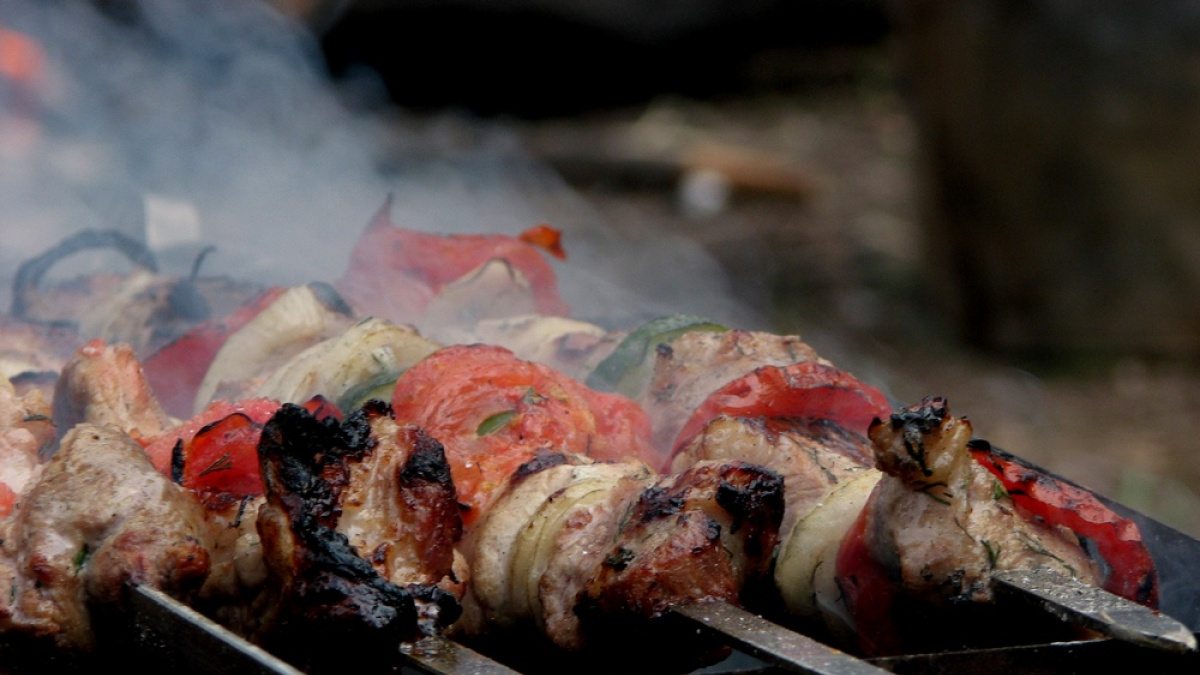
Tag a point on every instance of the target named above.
point(683, 405)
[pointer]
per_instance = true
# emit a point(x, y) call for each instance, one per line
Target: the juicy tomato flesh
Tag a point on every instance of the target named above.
point(802, 390)
point(395, 272)
point(1037, 494)
point(494, 412)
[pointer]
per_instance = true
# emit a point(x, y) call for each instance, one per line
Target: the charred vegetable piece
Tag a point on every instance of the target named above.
point(215, 453)
point(802, 390)
point(1040, 495)
point(628, 368)
point(395, 272)
point(495, 412)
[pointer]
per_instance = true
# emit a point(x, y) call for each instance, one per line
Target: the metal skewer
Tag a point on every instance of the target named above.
point(1094, 608)
point(439, 656)
point(772, 642)
point(200, 644)
point(193, 642)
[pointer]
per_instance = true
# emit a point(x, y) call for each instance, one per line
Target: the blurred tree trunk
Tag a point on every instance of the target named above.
point(1062, 143)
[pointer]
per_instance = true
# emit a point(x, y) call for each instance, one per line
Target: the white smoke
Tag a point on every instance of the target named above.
point(212, 123)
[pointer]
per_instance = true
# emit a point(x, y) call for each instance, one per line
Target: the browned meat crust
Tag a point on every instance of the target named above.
point(702, 535)
point(326, 589)
point(99, 518)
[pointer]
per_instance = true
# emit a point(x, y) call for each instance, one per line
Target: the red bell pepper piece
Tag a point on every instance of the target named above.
point(176, 370)
point(394, 272)
point(869, 591)
point(1037, 494)
point(8, 498)
point(216, 452)
point(800, 390)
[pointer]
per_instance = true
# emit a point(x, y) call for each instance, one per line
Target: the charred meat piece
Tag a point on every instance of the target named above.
point(699, 535)
point(319, 511)
point(705, 535)
point(97, 519)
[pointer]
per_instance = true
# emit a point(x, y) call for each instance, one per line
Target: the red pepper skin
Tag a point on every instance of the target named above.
point(869, 591)
point(216, 452)
point(395, 272)
point(8, 498)
point(176, 370)
point(800, 390)
point(1037, 494)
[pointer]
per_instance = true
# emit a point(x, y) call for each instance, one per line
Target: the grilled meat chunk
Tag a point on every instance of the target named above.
point(703, 534)
point(104, 384)
point(932, 533)
point(98, 518)
point(319, 512)
point(811, 456)
point(947, 520)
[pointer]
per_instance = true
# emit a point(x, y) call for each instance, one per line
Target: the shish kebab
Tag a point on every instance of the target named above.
point(376, 244)
point(85, 393)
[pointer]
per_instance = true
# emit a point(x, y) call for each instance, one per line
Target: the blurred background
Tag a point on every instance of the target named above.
point(991, 201)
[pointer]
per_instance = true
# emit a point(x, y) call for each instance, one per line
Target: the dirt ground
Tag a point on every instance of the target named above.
point(817, 222)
